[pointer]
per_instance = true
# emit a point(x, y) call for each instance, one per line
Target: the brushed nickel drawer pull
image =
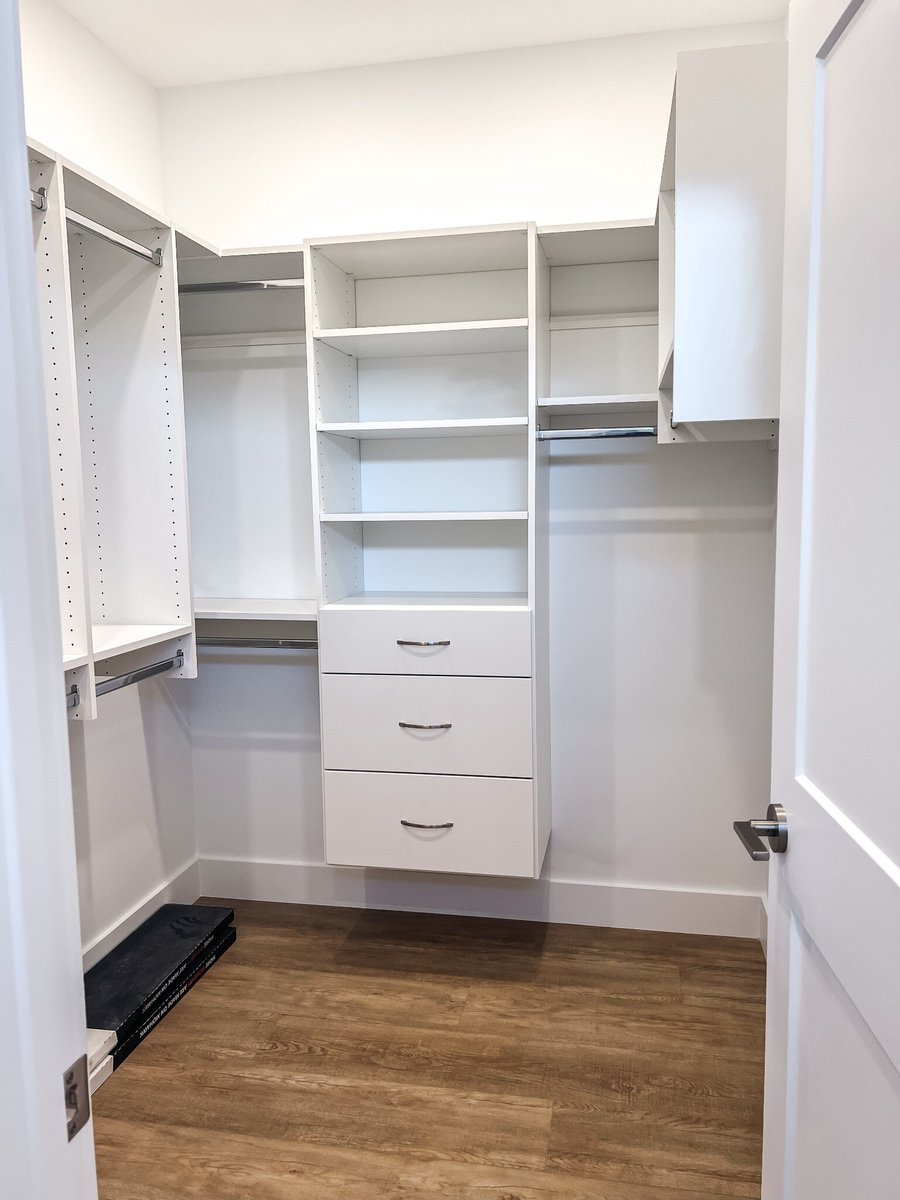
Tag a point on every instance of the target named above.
point(401, 642)
point(416, 825)
point(410, 725)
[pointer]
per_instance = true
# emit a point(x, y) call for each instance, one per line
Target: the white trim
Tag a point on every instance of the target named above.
point(182, 887)
point(667, 910)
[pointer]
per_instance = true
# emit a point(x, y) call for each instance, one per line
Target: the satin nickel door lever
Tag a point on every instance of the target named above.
point(774, 828)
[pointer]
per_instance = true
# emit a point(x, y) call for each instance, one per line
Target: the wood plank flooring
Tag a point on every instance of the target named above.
point(398, 1056)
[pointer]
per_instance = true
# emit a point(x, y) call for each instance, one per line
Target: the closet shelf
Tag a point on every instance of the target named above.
point(241, 609)
point(610, 320)
point(377, 430)
point(576, 406)
point(453, 337)
point(212, 341)
point(333, 518)
point(71, 661)
point(110, 640)
point(470, 601)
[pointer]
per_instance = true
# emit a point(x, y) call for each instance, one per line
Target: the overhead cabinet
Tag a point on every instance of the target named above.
point(721, 218)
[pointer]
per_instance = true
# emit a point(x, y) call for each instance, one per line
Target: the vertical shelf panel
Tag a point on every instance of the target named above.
point(51, 260)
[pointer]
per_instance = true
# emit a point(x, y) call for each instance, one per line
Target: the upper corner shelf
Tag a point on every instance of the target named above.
point(604, 242)
point(451, 337)
point(429, 252)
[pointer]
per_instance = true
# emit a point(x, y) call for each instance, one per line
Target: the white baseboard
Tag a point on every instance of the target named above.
point(572, 903)
point(183, 887)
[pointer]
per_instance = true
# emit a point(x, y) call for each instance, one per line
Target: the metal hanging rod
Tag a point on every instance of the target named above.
point(241, 285)
point(120, 681)
point(114, 239)
point(629, 431)
point(260, 643)
point(39, 199)
point(73, 697)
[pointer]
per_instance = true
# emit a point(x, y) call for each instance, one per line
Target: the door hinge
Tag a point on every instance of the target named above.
point(78, 1096)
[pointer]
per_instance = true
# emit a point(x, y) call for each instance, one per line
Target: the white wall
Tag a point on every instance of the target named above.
point(134, 812)
point(83, 102)
point(556, 134)
point(661, 652)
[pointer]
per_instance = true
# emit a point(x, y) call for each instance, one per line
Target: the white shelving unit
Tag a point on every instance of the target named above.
point(244, 351)
point(112, 374)
point(422, 414)
point(131, 419)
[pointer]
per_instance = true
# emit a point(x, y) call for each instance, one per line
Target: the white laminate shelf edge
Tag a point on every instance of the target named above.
point(565, 406)
point(386, 430)
point(110, 640)
point(445, 601)
point(242, 609)
point(453, 337)
point(340, 518)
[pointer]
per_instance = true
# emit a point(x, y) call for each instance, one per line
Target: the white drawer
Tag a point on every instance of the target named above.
point(491, 823)
point(486, 724)
point(361, 642)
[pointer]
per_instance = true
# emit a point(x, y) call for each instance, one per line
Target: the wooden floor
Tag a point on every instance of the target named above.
point(364, 1055)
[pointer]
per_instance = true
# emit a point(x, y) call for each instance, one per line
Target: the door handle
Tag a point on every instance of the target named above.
point(402, 642)
point(773, 828)
point(411, 725)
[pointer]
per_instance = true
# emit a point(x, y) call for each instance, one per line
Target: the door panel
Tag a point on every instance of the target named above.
point(833, 1021)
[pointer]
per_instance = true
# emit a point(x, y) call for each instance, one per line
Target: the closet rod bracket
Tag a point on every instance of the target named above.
point(86, 225)
point(104, 686)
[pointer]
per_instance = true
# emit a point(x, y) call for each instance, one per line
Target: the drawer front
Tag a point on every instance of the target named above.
point(356, 641)
point(491, 833)
point(484, 725)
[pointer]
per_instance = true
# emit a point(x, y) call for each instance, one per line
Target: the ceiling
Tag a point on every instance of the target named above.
point(182, 42)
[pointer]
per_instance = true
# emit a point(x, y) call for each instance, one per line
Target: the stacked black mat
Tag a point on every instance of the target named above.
point(134, 986)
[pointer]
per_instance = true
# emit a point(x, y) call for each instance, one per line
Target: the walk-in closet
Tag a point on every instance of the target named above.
point(431, 760)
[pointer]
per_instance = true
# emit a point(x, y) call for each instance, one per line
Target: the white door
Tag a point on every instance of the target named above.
point(832, 1118)
point(41, 991)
